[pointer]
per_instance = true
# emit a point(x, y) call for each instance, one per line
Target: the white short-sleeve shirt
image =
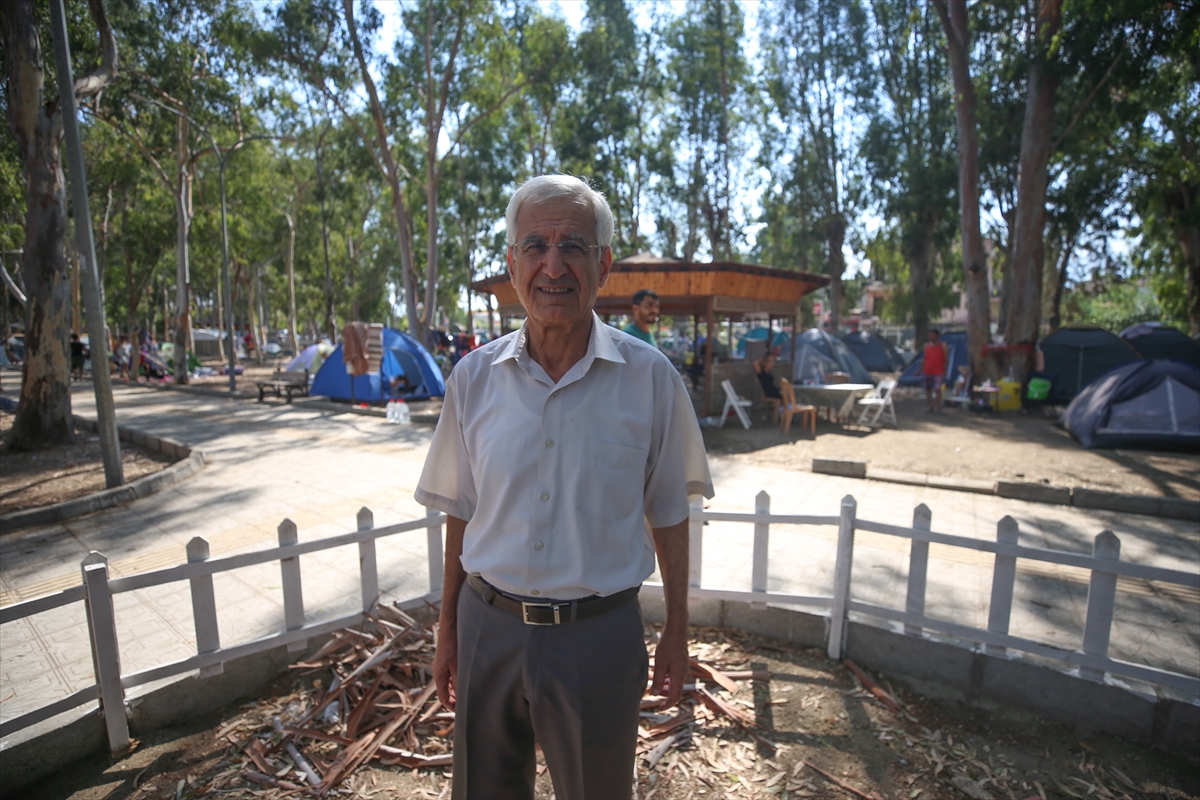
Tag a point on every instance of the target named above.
point(557, 482)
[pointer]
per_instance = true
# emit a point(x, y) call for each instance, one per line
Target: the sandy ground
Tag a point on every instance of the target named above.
point(54, 474)
point(812, 716)
point(963, 444)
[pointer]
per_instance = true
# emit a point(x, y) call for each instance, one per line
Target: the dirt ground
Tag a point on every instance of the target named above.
point(815, 725)
point(51, 475)
point(964, 444)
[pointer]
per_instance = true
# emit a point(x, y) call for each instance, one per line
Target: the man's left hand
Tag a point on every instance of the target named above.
point(670, 666)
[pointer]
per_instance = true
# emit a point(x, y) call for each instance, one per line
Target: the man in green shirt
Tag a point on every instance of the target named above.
point(645, 314)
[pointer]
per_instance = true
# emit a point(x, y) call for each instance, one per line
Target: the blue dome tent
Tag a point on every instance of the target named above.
point(875, 352)
point(760, 335)
point(402, 356)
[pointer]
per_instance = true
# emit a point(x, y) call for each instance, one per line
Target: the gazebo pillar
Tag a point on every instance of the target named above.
point(711, 321)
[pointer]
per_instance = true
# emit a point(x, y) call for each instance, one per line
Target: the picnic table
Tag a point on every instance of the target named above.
point(284, 383)
point(841, 397)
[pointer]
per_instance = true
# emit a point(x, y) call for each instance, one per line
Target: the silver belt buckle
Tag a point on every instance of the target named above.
point(525, 613)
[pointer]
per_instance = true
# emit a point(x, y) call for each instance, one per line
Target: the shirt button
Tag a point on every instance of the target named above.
point(535, 593)
point(545, 495)
point(538, 546)
point(555, 392)
point(549, 443)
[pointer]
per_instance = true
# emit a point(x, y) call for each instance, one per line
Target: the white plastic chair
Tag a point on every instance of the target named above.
point(737, 404)
point(878, 406)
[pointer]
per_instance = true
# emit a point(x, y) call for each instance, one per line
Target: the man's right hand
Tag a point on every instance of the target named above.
point(445, 666)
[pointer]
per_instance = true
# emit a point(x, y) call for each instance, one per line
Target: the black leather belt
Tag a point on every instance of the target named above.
point(550, 613)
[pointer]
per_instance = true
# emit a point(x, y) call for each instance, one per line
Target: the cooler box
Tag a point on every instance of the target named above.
point(1009, 398)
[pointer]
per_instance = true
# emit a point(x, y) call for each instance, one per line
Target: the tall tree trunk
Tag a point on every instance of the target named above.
point(1028, 248)
point(835, 233)
point(330, 330)
point(1060, 279)
point(44, 409)
point(918, 251)
point(291, 278)
point(1189, 243)
point(975, 281)
point(391, 174)
point(183, 278)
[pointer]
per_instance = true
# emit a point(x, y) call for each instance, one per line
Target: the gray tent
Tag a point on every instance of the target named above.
point(875, 352)
point(1153, 404)
point(835, 349)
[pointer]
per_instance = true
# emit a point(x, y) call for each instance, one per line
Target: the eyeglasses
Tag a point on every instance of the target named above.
point(571, 250)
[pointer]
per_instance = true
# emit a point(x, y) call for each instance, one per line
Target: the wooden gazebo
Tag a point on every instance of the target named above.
point(703, 291)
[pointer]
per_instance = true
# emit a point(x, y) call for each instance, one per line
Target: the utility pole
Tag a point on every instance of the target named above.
point(106, 416)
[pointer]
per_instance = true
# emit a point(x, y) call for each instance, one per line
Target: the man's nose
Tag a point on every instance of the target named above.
point(554, 266)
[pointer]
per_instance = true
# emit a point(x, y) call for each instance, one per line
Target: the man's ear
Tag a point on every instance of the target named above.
point(605, 266)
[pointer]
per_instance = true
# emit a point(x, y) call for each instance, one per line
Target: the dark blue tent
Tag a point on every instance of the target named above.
point(402, 355)
point(1078, 354)
point(1154, 340)
point(956, 343)
point(875, 352)
point(1153, 404)
point(833, 348)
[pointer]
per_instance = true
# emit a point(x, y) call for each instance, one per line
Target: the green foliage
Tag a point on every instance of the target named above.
point(1117, 305)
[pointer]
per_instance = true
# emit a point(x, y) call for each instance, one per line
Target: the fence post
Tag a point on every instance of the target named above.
point(918, 568)
point(1004, 575)
point(204, 607)
point(841, 579)
point(293, 594)
point(368, 568)
point(1102, 596)
point(695, 541)
point(433, 540)
point(762, 534)
point(106, 657)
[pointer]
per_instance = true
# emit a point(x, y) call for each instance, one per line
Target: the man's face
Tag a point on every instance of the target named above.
point(557, 285)
point(645, 313)
point(933, 337)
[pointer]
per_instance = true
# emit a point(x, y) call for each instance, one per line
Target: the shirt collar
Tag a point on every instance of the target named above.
point(600, 345)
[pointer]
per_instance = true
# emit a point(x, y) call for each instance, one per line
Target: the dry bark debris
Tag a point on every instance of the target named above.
point(381, 704)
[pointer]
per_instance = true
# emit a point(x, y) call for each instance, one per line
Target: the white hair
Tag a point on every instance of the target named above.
point(545, 188)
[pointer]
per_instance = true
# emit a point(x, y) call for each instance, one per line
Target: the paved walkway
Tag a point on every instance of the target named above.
point(267, 462)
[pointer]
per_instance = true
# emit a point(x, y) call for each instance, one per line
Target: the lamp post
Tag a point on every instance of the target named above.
point(222, 160)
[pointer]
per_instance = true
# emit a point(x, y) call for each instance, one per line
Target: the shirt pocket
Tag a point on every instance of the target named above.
point(612, 482)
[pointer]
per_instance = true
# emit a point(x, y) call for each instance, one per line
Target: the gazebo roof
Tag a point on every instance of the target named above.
point(685, 287)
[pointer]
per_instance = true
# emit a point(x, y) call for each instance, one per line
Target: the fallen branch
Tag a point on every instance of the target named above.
point(838, 782)
point(873, 687)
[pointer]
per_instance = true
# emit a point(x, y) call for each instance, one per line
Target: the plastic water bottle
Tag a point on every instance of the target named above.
point(403, 417)
point(391, 412)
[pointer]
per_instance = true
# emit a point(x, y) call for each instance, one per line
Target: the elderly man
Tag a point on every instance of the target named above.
point(564, 457)
point(645, 314)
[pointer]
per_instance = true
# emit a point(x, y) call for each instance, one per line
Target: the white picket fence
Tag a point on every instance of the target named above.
point(1093, 661)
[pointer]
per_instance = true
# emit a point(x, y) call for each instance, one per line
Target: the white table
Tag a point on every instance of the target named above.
point(839, 396)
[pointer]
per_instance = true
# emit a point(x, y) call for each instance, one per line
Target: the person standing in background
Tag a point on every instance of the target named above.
point(645, 314)
point(933, 371)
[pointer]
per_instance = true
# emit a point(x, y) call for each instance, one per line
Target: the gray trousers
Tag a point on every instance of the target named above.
point(575, 689)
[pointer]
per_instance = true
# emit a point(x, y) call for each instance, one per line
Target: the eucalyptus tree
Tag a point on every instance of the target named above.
point(708, 80)
point(908, 145)
point(814, 74)
point(551, 65)
point(35, 117)
point(956, 27)
point(605, 132)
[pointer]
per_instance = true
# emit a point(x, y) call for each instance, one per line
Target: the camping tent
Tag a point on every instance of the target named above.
point(1154, 340)
point(311, 358)
point(875, 352)
point(1152, 404)
point(207, 342)
point(402, 355)
point(956, 343)
point(811, 367)
point(1078, 354)
point(760, 335)
point(832, 348)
